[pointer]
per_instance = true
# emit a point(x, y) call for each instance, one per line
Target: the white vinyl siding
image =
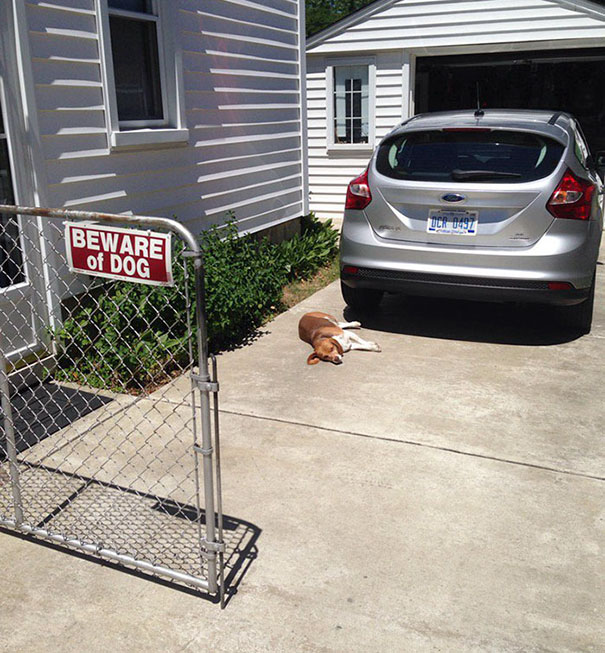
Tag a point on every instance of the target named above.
point(331, 170)
point(242, 93)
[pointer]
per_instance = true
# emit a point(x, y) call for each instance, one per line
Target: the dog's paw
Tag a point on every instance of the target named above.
point(376, 347)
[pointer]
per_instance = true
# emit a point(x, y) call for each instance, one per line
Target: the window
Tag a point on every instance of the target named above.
point(143, 83)
point(350, 109)
point(11, 258)
point(491, 157)
point(133, 28)
point(580, 148)
point(351, 104)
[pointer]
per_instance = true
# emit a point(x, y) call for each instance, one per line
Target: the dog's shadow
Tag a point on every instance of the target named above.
point(448, 319)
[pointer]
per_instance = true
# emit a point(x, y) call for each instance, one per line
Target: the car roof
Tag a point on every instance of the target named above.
point(546, 122)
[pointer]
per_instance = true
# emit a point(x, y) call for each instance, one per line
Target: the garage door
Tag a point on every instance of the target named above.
point(561, 80)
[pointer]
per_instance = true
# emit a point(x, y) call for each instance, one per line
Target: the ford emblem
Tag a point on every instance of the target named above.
point(453, 197)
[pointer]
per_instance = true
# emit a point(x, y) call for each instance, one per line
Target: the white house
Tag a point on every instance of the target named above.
point(185, 108)
point(396, 58)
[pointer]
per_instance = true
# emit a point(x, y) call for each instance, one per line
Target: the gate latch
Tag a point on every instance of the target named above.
point(217, 547)
point(202, 384)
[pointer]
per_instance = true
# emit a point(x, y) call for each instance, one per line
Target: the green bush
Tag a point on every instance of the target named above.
point(125, 335)
point(134, 336)
point(303, 255)
point(244, 279)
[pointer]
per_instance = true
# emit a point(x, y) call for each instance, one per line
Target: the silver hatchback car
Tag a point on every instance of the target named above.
point(493, 205)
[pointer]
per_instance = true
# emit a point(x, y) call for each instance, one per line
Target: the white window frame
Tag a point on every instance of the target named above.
point(144, 133)
point(6, 137)
point(370, 62)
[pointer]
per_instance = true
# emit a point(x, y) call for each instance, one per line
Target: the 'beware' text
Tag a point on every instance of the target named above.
point(126, 254)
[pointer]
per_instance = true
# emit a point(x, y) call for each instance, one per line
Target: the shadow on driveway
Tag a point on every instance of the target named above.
point(44, 409)
point(448, 319)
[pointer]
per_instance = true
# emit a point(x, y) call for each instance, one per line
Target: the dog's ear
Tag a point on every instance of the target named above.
point(341, 351)
point(313, 359)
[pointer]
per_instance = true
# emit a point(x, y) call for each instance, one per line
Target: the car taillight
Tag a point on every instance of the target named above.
point(572, 198)
point(350, 269)
point(358, 192)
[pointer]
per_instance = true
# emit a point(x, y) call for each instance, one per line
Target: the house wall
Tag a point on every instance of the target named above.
point(394, 34)
point(331, 170)
point(242, 92)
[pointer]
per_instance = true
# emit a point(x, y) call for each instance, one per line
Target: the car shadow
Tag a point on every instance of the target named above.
point(448, 319)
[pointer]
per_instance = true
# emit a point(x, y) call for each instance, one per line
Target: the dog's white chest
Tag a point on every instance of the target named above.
point(344, 341)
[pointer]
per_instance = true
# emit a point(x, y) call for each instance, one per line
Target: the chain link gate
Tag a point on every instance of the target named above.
point(103, 406)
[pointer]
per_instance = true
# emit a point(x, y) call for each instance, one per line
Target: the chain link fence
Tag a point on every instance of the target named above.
point(109, 431)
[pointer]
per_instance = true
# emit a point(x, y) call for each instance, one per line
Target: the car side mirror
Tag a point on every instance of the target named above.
point(599, 164)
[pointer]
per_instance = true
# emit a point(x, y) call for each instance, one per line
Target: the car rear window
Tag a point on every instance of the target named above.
point(462, 156)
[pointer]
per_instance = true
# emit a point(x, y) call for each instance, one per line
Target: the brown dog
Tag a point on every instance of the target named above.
point(329, 340)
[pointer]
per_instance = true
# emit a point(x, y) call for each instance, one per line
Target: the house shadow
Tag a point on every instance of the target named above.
point(46, 408)
point(449, 319)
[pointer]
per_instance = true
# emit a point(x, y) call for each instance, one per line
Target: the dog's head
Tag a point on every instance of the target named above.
point(328, 350)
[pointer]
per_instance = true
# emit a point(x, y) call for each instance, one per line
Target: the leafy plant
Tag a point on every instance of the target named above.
point(323, 13)
point(132, 336)
point(244, 279)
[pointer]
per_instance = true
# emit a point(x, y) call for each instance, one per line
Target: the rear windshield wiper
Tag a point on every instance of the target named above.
point(462, 175)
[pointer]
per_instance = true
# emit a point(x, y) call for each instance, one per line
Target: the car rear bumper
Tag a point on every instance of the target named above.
point(462, 287)
point(566, 253)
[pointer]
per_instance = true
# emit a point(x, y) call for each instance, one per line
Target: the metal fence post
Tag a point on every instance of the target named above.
point(9, 434)
point(206, 449)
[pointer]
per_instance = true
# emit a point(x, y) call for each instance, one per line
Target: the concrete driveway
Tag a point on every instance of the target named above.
point(443, 495)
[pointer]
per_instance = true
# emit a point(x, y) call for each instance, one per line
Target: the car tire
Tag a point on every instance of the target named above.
point(361, 299)
point(579, 316)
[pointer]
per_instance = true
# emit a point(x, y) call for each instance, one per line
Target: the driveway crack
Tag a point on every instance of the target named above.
point(424, 445)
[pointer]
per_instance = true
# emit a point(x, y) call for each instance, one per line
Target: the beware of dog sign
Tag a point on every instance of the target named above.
point(115, 253)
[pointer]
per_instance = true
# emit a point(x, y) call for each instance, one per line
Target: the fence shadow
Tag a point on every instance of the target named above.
point(240, 539)
point(88, 508)
point(161, 529)
point(449, 319)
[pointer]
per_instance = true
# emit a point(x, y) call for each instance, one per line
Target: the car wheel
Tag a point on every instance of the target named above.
point(361, 298)
point(579, 316)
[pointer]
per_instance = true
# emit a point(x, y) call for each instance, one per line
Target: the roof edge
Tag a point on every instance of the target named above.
point(592, 7)
point(352, 19)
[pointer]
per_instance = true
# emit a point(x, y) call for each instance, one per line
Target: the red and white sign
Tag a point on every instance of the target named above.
point(115, 253)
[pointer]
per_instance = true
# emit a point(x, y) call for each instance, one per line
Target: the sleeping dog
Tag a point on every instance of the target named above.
point(329, 340)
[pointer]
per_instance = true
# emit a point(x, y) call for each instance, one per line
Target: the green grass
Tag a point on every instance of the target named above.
point(296, 291)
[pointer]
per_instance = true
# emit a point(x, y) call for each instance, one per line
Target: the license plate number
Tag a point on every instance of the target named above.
point(457, 223)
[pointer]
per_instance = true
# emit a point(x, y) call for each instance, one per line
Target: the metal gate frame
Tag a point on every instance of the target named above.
point(212, 545)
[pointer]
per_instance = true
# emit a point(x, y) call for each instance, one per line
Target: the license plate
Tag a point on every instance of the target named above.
point(456, 223)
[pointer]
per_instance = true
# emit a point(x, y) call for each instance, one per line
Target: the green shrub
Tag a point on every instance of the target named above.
point(135, 336)
point(244, 279)
point(125, 335)
point(303, 255)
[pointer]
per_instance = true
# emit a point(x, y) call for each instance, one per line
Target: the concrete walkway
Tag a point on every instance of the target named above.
point(444, 495)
